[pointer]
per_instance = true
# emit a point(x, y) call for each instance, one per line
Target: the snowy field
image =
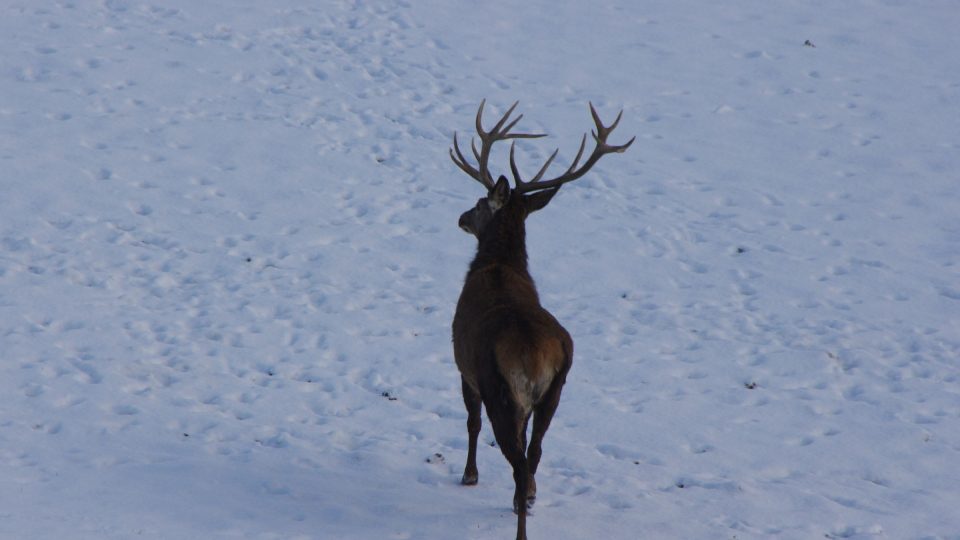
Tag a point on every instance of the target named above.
point(229, 259)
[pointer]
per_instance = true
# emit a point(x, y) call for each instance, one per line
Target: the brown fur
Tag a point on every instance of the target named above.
point(512, 354)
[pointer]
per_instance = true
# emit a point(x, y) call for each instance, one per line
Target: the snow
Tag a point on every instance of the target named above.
point(229, 260)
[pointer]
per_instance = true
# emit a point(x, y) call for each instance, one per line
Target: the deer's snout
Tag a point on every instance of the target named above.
point(466, 222)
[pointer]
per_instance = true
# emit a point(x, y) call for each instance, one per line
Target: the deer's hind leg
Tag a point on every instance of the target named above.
point(509, 427)
point(542, 415)
point(471, 399)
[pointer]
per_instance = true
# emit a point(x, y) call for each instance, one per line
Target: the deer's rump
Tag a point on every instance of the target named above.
point(525, 348)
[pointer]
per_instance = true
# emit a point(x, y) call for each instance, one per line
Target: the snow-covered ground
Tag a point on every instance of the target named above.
point(229, 260)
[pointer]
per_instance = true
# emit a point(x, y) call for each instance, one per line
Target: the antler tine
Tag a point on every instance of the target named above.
point(605, 131)
point(473, 147)
point(572, 173)
point(543, 169)
point(499, 132)
point(513, 165)
point(583, 144)
point(465, 166)
point(499, 124)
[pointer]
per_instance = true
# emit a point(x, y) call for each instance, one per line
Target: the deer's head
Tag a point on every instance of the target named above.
point(526, 197)
point(476, 219)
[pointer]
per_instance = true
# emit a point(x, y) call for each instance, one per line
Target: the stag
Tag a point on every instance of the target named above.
point(512, 354)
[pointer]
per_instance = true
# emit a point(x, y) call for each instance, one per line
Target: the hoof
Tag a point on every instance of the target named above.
point(469, 479)
point(529, 505)
point(531, 491)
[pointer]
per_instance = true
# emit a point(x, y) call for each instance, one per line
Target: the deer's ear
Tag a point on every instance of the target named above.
point(500, 194)
point(539, 199)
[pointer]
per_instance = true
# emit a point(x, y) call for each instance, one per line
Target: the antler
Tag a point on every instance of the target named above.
point(572, 173)
point(487, 138)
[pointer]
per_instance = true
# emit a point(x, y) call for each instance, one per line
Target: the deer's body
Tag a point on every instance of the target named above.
point(512, 354)
point(528, 346)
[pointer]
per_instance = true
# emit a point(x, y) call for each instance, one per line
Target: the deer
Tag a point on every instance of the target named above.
point(513, 355)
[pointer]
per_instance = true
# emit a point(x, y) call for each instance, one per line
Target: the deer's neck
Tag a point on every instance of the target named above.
point(503, 242)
